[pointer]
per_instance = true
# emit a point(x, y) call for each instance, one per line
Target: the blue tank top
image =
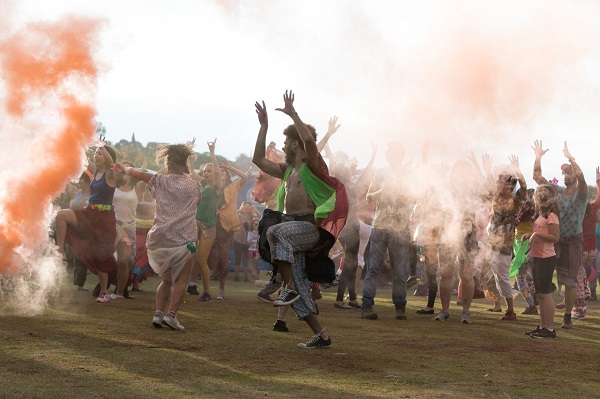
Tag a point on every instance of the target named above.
point(100, 191)
point(598, 235)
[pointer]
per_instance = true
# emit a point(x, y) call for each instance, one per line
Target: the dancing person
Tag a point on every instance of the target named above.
point(572, 202)
point(545, 235)
point(91, 232)
point(171, 239)
point(501, 229)
point(78, 201)
point(390, 233)
point(144, 219)
point(590, 251)
point(206, 218)
point(314, 207)
point(125, 202)
point(228, 222)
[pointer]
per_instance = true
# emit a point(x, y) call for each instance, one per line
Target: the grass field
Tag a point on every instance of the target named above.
point(80, 349)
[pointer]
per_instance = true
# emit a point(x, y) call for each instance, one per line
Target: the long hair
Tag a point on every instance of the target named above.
point(175, 157)
point(547, 201)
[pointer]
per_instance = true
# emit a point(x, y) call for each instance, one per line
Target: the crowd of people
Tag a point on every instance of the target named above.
point(126, 224)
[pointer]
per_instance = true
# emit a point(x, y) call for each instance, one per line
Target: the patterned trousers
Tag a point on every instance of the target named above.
point(288, 242)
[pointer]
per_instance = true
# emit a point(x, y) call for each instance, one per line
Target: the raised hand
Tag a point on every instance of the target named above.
point(597, 173)
point(211, 145)
point(514, 162)
point(567, 153)
point(288, 101)
point(486, 164)
point(261, 111)
point(332, 128)
point(538, 149)
point(191, 144)
point(249, 171)
point(101, 141)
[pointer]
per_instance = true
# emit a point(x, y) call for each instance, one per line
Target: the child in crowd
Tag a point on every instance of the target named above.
point(545, 235)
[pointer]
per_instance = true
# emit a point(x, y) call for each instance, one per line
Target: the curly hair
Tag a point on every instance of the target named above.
point(547, 201)
point(292, 133)
point(175, 157)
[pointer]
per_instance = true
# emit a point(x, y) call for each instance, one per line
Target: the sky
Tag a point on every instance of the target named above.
point(484, 76)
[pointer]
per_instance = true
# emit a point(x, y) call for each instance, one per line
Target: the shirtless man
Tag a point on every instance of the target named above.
point(298, 199)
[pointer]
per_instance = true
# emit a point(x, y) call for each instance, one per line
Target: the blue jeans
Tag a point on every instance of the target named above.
point(397, 243)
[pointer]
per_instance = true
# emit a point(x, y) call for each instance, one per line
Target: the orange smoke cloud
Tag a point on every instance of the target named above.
point(49, 72)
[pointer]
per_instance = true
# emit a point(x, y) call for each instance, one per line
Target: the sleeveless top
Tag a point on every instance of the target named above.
point(101, 192)
point(125, 203)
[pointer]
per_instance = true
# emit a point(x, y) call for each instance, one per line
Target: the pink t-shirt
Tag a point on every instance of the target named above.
point(541, 248)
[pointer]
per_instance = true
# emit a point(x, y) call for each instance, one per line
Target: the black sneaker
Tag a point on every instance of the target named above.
point(530, 310)
point(193, 290)
point(287, 297)
point(567, 323)
point(544, 333)
point(315, 343)
point(280, 326)
point(534, 331)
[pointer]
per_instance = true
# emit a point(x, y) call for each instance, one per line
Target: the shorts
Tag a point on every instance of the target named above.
point(542, 272)
point(569, 251)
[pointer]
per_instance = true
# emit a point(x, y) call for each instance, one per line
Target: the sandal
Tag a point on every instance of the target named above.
point(494, 310)
point(354, 305)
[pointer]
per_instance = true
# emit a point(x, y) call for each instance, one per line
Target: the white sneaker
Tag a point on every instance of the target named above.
point(103, 298)
point(172, 323)
point(465, 318)
point(157, 320)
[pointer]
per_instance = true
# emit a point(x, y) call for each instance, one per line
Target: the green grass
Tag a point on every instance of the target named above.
point(80, 349)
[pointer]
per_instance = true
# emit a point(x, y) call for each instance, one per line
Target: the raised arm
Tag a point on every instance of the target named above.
point(514, 165)
point(581, 184)
point(218, 180)
point(111, 174)
point(243, 175)
point(331, 129)
point(596, 202)
point(190, 165)
point(133, 172)
point(310, 145)
point(259, 157)
point(537, 164)
point(368, 170)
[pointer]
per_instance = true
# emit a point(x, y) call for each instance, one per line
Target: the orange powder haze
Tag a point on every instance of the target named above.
point(49, 76)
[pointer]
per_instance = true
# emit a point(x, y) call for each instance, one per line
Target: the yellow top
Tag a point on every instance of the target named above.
point(228, 215)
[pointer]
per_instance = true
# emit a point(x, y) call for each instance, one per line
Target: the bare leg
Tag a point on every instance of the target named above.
point(202, 253)
point(314, 324)
point(569, 299)
point(124, 252)
point(64, 218)
point(281, 312)
point(509, 304)
point(445, 290)
point(179, 286)
point(103, 277)
point(162, 293)
point(468, 287)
